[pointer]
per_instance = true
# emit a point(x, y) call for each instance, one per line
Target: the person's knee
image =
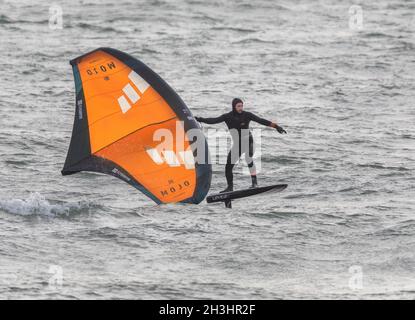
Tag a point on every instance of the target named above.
point(229, 167)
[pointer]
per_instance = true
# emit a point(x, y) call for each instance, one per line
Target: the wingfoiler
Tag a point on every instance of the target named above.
point(123, 110)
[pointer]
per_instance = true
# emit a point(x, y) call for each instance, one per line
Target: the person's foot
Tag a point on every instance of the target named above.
point(229, 188)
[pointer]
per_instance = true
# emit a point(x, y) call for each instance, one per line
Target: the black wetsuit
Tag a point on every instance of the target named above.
point(243, 142)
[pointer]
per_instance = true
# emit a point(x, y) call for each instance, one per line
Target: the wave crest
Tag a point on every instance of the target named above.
point(37, 204)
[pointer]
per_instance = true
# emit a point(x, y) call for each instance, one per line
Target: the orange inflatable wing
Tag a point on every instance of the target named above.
point(121, 107)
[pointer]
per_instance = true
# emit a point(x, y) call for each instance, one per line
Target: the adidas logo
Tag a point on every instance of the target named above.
point(172, 159)
point(131, 92)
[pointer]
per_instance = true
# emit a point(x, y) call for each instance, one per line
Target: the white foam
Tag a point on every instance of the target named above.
point(37, 204)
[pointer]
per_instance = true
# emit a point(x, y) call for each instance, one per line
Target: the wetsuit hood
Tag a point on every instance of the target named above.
point(235, 101)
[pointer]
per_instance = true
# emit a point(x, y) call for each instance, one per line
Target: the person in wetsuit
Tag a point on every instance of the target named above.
point(243, 143)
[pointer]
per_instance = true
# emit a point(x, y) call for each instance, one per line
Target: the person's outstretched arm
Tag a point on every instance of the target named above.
point(266, 123)
point(211, 120)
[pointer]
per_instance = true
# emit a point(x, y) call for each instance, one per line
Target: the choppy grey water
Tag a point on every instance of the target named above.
point(343, 229)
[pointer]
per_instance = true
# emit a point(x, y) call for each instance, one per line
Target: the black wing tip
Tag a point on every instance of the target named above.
point(65, 172)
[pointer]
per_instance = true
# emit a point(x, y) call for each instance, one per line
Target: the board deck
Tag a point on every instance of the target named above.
point(237, 194)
